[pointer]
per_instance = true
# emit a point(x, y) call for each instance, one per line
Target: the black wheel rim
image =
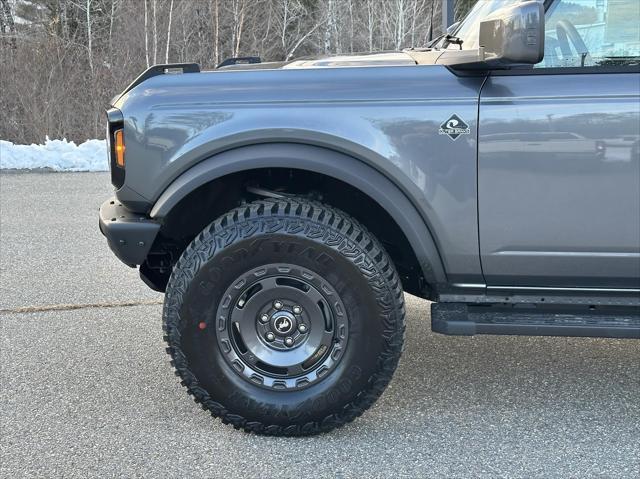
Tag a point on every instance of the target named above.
point(282, 327)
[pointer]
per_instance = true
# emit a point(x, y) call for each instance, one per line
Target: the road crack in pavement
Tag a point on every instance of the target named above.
point(71, 307)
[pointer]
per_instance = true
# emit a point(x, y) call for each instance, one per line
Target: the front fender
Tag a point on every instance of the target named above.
point(323, 161)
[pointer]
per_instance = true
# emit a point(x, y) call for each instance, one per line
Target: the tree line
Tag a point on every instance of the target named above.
point(62, 60)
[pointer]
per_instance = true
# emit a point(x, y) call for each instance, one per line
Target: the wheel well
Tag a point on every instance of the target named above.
point(207, 202)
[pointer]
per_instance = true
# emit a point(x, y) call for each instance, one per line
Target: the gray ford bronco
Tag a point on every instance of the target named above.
point(283, 208)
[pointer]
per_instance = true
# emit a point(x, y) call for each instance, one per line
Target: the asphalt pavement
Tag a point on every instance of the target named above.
point(87, 390)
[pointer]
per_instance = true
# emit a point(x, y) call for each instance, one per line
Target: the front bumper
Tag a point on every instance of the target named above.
point(130, 235)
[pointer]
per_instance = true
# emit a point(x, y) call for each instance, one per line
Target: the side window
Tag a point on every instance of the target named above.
point(592, 33)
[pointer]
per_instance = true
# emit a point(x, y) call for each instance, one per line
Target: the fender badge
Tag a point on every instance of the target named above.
point(454, 127)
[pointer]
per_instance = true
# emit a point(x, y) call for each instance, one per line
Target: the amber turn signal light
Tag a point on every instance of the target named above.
point(118, 136)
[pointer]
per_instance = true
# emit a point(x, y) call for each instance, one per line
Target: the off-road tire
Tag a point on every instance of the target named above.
point(299, 232)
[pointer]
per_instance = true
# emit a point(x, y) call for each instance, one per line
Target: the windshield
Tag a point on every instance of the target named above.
point(469, 29)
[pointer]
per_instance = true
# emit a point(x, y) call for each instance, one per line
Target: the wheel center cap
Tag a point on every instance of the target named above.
point(283, 323)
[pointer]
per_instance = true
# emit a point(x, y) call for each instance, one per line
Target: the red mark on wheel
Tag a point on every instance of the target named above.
point(202, 325)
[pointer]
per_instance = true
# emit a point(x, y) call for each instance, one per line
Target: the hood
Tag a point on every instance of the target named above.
point(407, 57)
point(358, 60)
point(383, 59)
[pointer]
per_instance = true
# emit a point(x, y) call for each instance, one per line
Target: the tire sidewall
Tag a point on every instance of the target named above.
point(210, 267)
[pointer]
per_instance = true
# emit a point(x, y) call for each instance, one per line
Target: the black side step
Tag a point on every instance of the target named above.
point(466, 320)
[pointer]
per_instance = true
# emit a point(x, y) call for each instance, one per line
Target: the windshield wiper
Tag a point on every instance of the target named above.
point(436, 40)
point(453, 40)
point(447, 40)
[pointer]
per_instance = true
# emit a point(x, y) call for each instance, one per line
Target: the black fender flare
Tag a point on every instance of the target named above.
point(319, 160)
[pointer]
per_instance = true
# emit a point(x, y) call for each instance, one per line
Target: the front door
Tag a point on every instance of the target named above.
point(559, 155)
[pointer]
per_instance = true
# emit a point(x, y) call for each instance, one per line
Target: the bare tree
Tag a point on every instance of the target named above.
point(302, 38)
point(155, 32)
point(216, 32)
point(238, 17)
point(89, 38)
point(166, 57)
point(7, 23)
point(111, 19)
point(146, 32)
point(370, 22)
point(329, 25)
point(399, 23)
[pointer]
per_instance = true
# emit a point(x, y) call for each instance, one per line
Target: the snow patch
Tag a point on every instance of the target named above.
point(57, 155)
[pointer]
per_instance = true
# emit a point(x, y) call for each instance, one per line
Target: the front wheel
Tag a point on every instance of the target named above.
point(284, 317)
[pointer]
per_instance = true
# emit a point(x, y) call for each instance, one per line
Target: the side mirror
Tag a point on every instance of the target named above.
point(514, 35)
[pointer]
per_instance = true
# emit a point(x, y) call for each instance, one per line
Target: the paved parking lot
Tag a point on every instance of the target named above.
point(86, 388)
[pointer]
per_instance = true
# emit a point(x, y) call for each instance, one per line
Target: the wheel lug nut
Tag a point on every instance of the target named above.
point(264, 318)
point(288, 341)
point(297, 309)
point(270, 336)
point(302, 328)
point(277, 304)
